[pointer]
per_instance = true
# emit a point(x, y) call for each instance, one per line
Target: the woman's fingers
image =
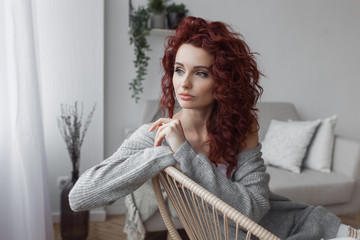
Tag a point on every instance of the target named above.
point(171, 129)
point(159, 122)
point(160, 135)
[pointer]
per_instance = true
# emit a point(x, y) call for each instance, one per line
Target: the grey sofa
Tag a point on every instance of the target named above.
point(338, 191)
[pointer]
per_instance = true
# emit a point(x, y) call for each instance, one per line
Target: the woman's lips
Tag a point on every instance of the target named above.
point(186, 97)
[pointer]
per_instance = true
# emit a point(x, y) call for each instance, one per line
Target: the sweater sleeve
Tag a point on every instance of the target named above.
point(247, 190)
point(136, 161)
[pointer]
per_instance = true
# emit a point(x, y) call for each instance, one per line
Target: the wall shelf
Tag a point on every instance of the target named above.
point(161, 32)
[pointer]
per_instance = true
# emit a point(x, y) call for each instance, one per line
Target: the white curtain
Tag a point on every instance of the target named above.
point(24, 202)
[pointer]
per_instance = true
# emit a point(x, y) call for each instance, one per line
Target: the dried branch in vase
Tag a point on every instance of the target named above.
point(70, 123)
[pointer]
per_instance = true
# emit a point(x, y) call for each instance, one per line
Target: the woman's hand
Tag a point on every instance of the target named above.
point(172, 130)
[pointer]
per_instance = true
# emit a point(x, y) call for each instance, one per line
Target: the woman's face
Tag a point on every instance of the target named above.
point(192, 81)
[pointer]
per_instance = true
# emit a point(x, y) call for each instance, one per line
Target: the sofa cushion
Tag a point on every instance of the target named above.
point(311, 186)
point(319, 156)
point(285, 143)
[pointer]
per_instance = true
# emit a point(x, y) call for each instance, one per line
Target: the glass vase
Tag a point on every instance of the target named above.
point(74, 225)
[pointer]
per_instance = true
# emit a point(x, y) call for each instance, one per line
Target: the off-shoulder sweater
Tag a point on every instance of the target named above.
point(247, 190)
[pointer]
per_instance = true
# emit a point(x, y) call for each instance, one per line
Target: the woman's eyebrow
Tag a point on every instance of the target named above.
point(200, 66)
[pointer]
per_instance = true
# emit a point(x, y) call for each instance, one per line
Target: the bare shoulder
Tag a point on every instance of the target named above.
point(252, 140)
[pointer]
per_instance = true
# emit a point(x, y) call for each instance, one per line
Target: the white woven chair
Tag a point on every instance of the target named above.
point(202, 215)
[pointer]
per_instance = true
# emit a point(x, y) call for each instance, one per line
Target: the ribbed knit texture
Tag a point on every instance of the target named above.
point(137, 160)
point(247, 190)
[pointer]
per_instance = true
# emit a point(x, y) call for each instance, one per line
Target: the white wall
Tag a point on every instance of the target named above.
point(71, 46)
point(309, 54)
point(121, 111)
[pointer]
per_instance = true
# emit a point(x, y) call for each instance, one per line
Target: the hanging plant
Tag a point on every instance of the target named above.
point(139, 31)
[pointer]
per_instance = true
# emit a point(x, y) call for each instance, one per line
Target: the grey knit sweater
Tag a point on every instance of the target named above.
point(137, 160)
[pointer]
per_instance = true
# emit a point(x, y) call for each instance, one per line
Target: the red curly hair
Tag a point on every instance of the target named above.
point(236, 90)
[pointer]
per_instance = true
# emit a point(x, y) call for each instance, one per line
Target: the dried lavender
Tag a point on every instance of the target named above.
point(69, 124)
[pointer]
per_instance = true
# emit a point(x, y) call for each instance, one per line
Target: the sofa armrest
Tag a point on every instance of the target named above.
point(346, 158)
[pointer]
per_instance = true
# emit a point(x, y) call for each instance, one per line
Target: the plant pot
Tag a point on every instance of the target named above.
point(74, 225)
point(174, 19)
point(158, 21)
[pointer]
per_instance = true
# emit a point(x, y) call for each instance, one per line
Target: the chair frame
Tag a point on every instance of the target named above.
point(172, 181)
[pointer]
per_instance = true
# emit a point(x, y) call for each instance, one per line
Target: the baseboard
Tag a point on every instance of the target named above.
point(96, 215)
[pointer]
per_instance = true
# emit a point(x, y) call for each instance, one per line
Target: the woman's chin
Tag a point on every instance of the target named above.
point(185, 106)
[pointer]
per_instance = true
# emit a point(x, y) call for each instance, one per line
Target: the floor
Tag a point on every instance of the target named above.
point(112, 228)
point(351, 219)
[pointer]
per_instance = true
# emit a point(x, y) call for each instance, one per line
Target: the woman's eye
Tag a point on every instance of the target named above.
point(179, 70)
point(202, 74)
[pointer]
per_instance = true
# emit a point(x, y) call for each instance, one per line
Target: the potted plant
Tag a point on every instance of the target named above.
point(157, 8)
point(175, 13)
point(139, 31)
point(74, 225)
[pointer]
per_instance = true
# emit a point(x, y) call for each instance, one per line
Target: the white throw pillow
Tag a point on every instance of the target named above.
point(319, 155)
point(285, 143)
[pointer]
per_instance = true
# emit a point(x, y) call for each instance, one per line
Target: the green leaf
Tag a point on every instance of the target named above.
point(139, 33)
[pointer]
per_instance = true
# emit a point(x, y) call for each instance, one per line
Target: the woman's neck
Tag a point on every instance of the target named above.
point(193, 123)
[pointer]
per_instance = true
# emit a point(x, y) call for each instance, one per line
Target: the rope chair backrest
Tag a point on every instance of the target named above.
point(203, 215)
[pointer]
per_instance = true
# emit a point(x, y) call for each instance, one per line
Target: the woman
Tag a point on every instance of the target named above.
point(212, 74)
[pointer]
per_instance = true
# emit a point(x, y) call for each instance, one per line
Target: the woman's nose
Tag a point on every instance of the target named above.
point(186, 83)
